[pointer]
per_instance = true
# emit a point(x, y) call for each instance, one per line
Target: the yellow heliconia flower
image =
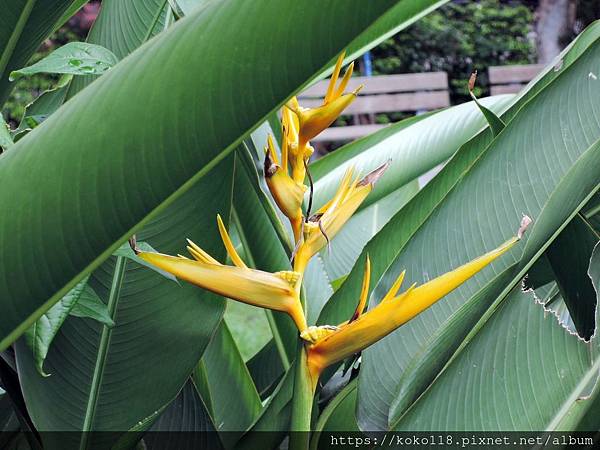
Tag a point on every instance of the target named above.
point(312, 121)
point(335, 344)
point(327, 221)
point(291, 151)
point(277, 291)
point(287, 193)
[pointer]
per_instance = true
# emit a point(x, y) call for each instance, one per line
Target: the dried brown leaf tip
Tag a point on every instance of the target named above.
point(472, 80)
point(133, 244)
point(372, 177)
point(525, 222)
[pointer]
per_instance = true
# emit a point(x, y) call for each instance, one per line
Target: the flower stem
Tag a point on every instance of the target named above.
point(302, 403)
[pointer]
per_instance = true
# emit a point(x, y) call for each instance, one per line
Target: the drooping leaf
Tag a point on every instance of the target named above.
point(41, 108)
point(125, 138)
point(91, 306)
point(73, 58)
point(41, 334)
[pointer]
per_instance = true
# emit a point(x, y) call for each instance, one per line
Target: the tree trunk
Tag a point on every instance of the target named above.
point(554, 24)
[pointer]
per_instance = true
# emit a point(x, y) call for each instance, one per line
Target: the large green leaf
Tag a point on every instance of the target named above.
point(161, 330)
point(234, 400)
point(538, 157)
point(413, 150)
point(24, 25)
point(138, 167)
point(386, 246)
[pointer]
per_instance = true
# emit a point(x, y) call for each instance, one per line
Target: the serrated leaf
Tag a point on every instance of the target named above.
point(569, 257)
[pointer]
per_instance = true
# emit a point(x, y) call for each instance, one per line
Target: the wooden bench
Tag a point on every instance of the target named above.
point(511, 79)
point(412, 92)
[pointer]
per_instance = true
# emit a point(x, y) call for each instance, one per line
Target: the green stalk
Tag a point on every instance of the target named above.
point(302, 402)
point(113, 299)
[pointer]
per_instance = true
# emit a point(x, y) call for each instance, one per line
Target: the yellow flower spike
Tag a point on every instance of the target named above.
point(390, 314)
point(329, 95)
point(199, 254)
point(270, 149)
point(233, 254)
point(287, 193)
point(276, 291)
point(314, 120)
point(395, 287)
point(364, 291)
point(345, 80)
point(328, 220)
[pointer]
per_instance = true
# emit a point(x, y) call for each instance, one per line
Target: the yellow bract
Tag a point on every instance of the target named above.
point(312, 121)
point(355, 335)
point(277, 291)
point(325, 224)
point(325, 344)
point(287, 193)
